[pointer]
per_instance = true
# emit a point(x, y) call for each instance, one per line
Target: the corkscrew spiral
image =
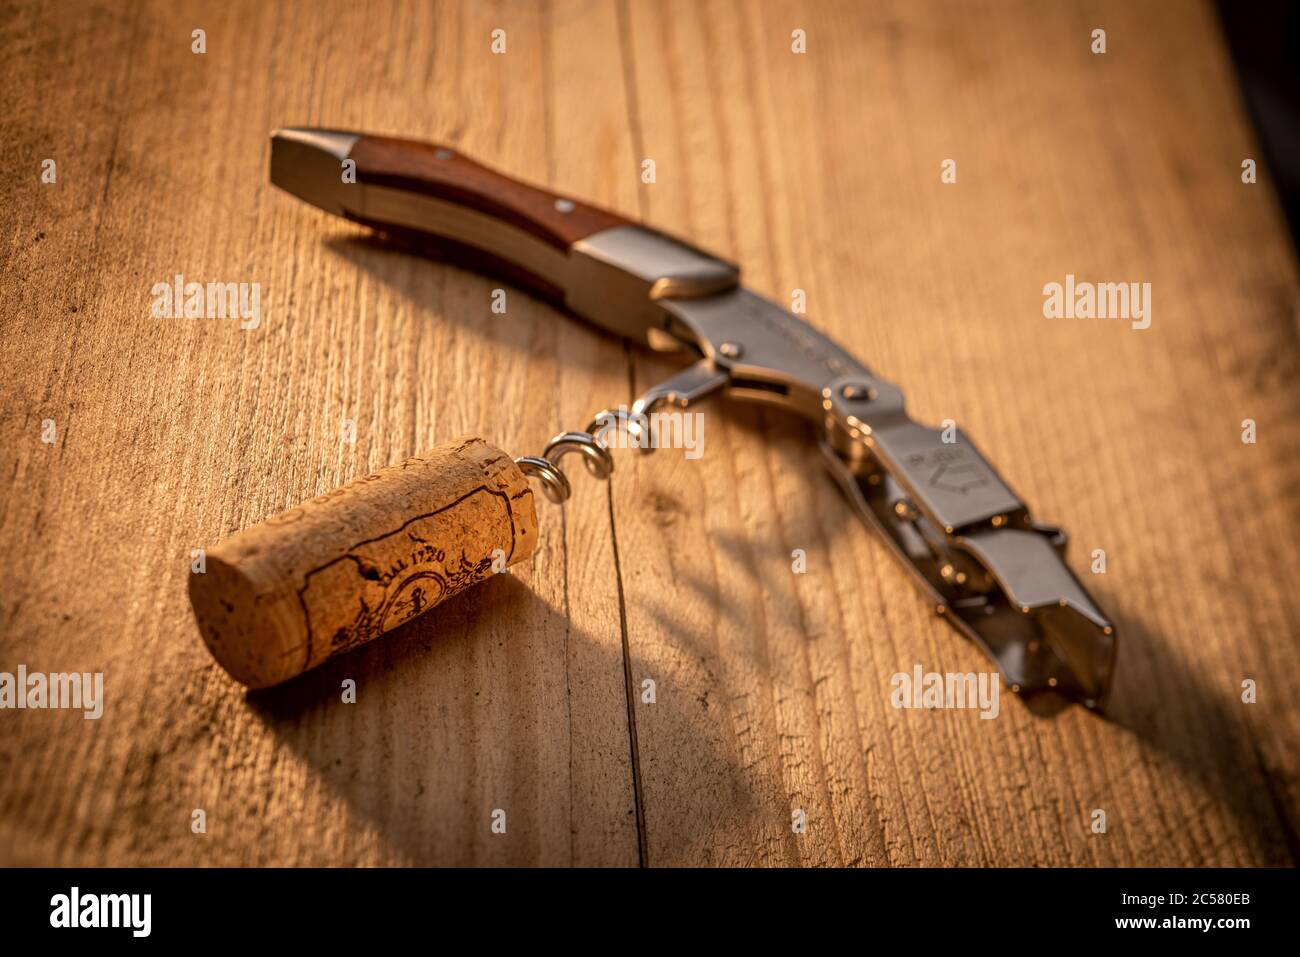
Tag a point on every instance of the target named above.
point(590, 444)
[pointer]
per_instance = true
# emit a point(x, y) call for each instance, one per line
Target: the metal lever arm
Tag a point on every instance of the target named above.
point(966, 537)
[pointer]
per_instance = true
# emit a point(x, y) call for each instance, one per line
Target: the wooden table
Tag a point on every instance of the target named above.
point(818, 172)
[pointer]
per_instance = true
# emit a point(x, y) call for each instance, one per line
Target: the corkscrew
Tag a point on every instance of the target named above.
point(967, 539)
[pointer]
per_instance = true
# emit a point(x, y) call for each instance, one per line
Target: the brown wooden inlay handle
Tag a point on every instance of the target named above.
point(442, 173)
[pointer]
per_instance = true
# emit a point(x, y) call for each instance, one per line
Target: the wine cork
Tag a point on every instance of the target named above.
point(340, 570)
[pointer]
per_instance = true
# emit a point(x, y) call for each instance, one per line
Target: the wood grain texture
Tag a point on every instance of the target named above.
point(817, 172)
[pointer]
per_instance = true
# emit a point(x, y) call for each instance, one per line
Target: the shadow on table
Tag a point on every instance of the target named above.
point(1179, 713)
point(440, 288)
point(489, 702)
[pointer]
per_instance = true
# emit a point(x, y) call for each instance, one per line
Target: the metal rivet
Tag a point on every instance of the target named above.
point(731, 350)
point(564, 205)
point(857, 392)
point(443, 153)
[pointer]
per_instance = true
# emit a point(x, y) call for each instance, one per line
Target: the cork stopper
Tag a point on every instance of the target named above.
point(342, 569)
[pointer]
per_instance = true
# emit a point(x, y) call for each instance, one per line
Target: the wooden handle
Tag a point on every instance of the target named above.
point(586, 260)
point(440, 172)
point(454, 209)
point(340, 570)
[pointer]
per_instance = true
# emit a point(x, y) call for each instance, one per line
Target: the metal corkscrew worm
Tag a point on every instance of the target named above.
point(546, 467)
point(688, 387)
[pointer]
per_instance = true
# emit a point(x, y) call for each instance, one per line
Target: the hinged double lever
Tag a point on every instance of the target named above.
point(967, 538)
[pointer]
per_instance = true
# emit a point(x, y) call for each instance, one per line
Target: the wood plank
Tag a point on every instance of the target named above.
point(1118, 167)
point(174, 433)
